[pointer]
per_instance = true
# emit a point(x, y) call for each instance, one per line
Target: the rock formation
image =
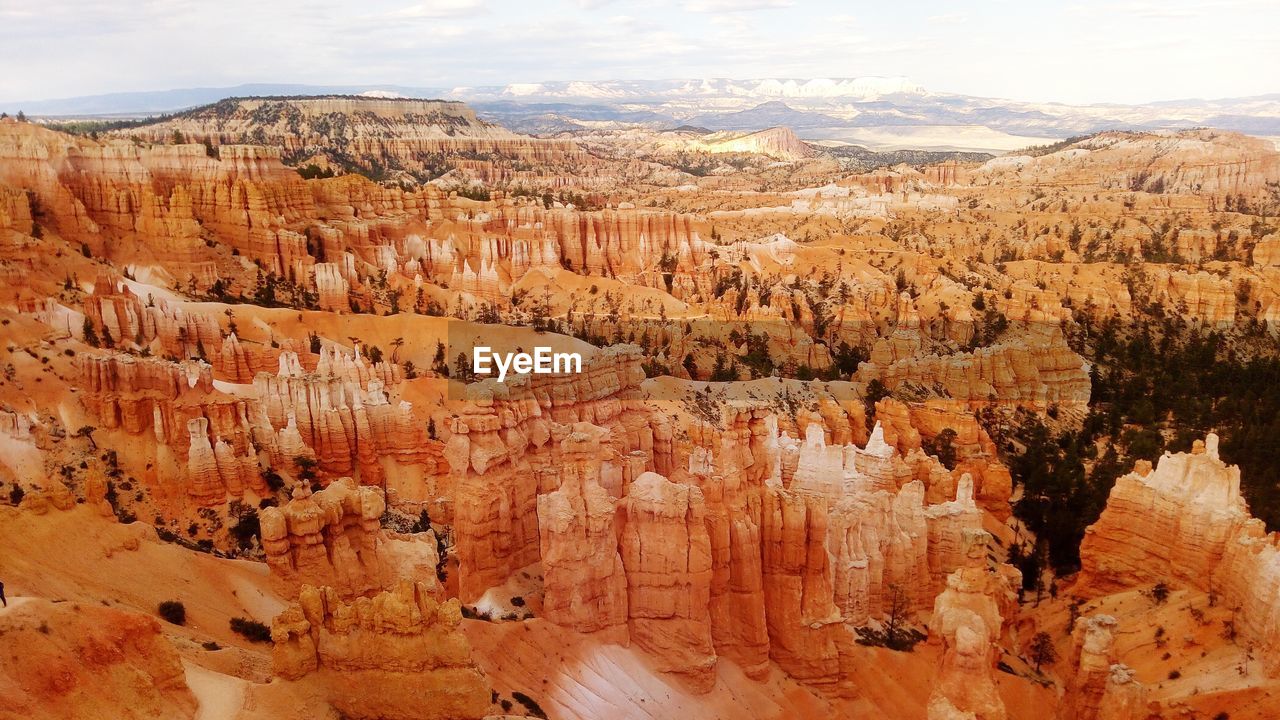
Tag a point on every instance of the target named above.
point(1172, 523)
point(666, 553)
point(342, 414)
point(1185, 523)
point(398, 655)
point(732, 481)
point(503, 456)
point(1030, 372)
point(215, 472)
point(584, 583)
point(138, 395)
point(333, 538)
point(807, 637)
point(1101, 688)
point(967, 620)
point(689, 496)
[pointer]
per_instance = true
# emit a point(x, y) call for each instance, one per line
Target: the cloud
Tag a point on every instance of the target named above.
point(52, 48)
point(733, 6)
point(1138, 9)
point(435, 9)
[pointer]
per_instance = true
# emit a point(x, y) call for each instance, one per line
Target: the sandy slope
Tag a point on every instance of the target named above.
point(1179, 650)
point(574, 676)
point(220, 696)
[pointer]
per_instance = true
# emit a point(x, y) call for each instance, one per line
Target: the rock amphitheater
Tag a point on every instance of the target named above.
point(795, 477)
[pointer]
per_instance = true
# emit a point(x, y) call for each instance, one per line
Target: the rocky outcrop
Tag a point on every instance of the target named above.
point(334, 538)
point(1267, 251)
point(950, 526)
point(504, 449)
point(332, 288)
point(909, 427)
point(1033, 371)
point(130, 201)
point(343, 415)
point(584, 583)
point(53, 495)
point(115, 312)
point(1101, 688)
point(1185, 523)
point(215, 436)
point(216, 472)
point(137, 395)
point(732, 479)
point(807, 636)
point(398, 655)
point(666, 553)
point(967, 621)
point(1249, 578)
point(1171, 524)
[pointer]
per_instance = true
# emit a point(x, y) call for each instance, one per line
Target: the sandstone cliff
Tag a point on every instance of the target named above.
point(666, 553)
point(373, 135)
point(505, 450)
point(584, 583)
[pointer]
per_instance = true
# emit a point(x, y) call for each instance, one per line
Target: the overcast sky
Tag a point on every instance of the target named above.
point(1088, 51)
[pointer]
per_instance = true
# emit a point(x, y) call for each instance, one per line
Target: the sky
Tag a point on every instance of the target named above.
point(1121, 51)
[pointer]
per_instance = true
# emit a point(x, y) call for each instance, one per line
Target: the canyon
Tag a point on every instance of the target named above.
point(842, 443)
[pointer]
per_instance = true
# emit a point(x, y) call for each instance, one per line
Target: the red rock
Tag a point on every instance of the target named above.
point(967, 621)
point(666, 553)
point(334, 537)
point(584, 584)
point(398, 655)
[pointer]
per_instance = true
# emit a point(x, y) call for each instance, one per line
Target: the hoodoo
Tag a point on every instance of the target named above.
point(639, 399)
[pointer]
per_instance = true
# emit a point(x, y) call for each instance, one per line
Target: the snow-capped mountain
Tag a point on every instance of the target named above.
point(854, 89)
point(876, 112)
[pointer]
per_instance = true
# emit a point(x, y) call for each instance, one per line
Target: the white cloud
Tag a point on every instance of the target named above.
point(433, 9)
point(1208, 48)
point(732, 6)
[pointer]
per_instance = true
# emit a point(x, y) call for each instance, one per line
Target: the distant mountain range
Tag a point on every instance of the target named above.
point(875, 111)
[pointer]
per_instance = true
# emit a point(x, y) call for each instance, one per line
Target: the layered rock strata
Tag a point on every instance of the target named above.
point(666, 553)
point(1101, 688)
point(398, 655)
point(1185, 523)
point(968, 620)
point(505, 450)
point(584, 582)
point(334, 538)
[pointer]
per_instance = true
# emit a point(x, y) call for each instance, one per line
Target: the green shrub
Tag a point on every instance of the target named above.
point(529, 704)
point(173, 611)
point(251, 630)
